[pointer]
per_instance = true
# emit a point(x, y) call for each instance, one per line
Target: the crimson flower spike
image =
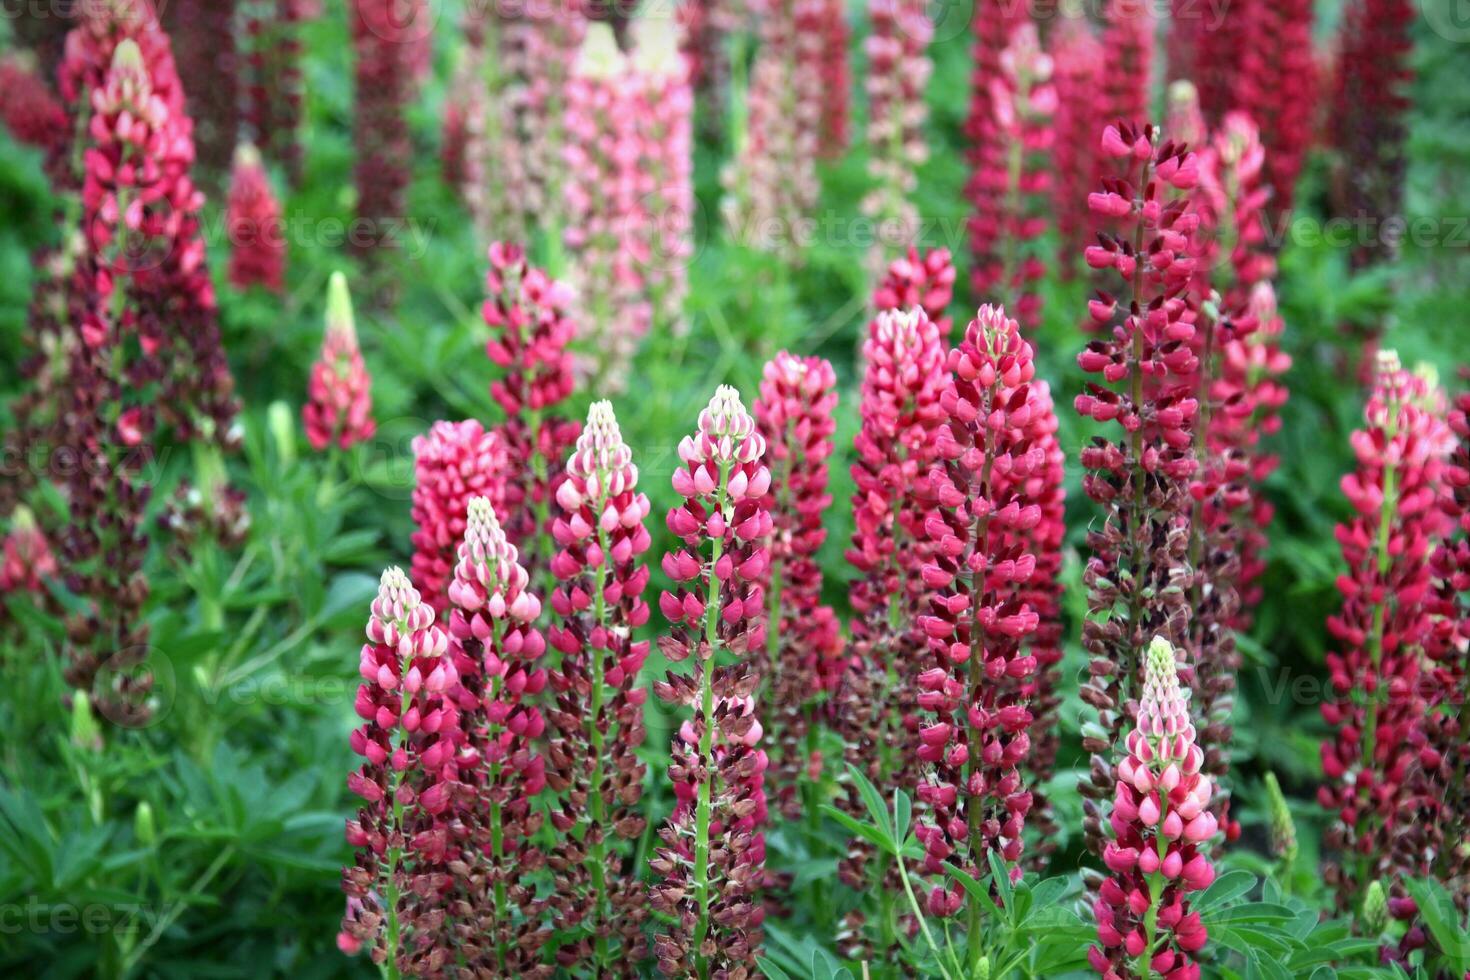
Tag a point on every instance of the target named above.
point(597, 719)
point(339, 396)
point(804, 638)
point(1138, 576)
point(974, 736)
point(713, 854)
point(1376, 704)
point(454, 463)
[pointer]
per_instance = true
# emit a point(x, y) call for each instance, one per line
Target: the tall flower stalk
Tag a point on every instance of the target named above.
point(974, 736)
point(597, 719)
point(1377, 701)
point(498, 648)
point(794, 414)
point(407, 741)
point(530, 330)
point(924, 280)
point(712, 858)
point(253, 221)
point(1077, 65)
point(898, 73)
point(1010, 174)
point(1138, 576)
point(1160, 824)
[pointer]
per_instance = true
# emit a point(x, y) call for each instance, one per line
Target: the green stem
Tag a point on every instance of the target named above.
point(706, 738)
point(597, 852)
point(908, 890)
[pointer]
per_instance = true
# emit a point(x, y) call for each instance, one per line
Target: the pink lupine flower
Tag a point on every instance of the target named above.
point(975, 717)
point(1156, 853)
point(794, 413)
point(1138, 573)
point(26, 560)
point(253, 223)
point(598, 715)
point(713, 854)
point(772, 182)
point(1077, 64)
point(454, 463)
point(339, 407)
point(498, 648)
point(408, 740)
point(925, 281)
point(530, 329)
point(898, 72)
point(1010, 173)
point(1376, 703)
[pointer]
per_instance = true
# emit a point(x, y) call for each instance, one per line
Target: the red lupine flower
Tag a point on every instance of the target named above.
point(274, 94)
point(795, 415)
point(408, 736)
point(253, 223)
point(384, 36)
point(1155, 854)
point(142, 345)
point(1369, 117)
point(898, 72)
point(598, 716)
point(1438, 791)
point(28, 109)
point(498, 648)
point(713, 854)
point(26, 560)
point(975, 715)
point(832, 137)
point(772, 182)
point(453, 464)
point(1139, 574)
point(925, 281)
point(1043, 593)
point(1077, 64)
point(1127, 69)
point(1376, 703)
point(339, 407)
point(903, 378)
point(1008, 178)
point(203, 36)
point(526, 311)
point(1277, 86)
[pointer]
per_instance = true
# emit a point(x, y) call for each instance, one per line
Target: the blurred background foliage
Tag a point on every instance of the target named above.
point(210, 842)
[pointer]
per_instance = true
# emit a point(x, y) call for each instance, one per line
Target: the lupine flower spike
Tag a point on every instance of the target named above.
point(454, 463)
point(407, 739)
point(257, 236)
point(26, 561)
point(794, 412)
point(1138, 576)
point(1156, 852)
point(598, 715)
point(339, 406)
point(1011, 174)
point(974, 735)
point(895, 448)
point(919, 280)
point(713, 854)
point(1377, 700)
point(898, 72)
point(527, 313)
point(1077, 65)
point(498, 648)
